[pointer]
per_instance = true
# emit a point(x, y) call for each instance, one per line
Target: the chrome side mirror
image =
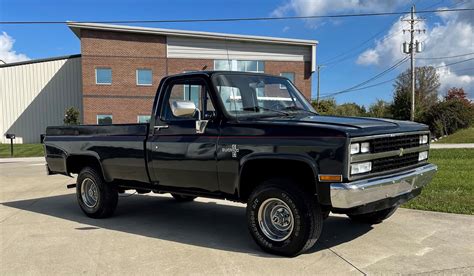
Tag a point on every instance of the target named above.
point(200, 123)
point(183, 108)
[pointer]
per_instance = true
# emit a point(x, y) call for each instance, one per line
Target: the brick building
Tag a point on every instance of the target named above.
point(122, 65)
point(115, 78)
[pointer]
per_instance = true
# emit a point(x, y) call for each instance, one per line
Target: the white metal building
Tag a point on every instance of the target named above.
point(35, 94)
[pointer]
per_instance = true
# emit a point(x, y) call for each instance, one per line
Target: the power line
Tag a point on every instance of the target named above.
point(233, 19)
point(332, 61)
point(398, 63)
point(392, 79)
point(462, 55)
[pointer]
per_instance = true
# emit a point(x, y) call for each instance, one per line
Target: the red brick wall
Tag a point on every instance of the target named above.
point(124, 53)
point(301, 69)
point(127, 52)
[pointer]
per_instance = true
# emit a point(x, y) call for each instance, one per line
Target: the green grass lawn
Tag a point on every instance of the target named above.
point(21, 150)
point(462, 136)
point(452, 189)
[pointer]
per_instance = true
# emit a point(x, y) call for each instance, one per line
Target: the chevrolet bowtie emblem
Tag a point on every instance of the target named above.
point(401, 152)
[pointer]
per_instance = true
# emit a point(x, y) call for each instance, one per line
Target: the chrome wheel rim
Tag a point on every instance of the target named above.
point(275, 219)
point(89, 193)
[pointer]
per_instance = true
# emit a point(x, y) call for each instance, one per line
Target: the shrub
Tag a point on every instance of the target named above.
point(448, 116)
point(71, 116)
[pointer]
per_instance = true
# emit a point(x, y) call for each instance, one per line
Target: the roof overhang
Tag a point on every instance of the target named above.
point(76, 28)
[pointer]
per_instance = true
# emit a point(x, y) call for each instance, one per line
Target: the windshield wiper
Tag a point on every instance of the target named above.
point(296, 108)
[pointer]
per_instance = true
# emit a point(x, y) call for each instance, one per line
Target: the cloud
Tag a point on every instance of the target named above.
point(453, 35)
point(285, 29)
point(7, 54)
point(323, 7)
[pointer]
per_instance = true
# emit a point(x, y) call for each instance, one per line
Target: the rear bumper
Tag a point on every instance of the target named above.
point(362, 192)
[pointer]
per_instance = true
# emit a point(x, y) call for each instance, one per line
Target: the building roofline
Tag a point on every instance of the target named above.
point(38, 60)
point(76, 27)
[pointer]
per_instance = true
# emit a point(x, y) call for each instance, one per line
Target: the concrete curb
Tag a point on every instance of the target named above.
point(22, 159)
point(452, 146)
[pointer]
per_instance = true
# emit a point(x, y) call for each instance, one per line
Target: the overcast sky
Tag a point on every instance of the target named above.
point(354, 49)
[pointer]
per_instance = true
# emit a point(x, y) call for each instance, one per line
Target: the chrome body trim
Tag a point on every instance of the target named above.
point(372, 156)
point(364, 138)
point(361, 192)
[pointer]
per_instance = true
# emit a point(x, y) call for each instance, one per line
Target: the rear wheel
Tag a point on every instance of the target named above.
point(374, 217)
point(96, 198)
point(183, 198)
point(282, 218)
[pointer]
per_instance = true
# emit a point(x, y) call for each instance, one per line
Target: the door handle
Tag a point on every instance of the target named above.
point(158, 128)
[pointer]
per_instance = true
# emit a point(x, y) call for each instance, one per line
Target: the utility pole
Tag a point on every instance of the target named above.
point(319, 81)
point(411, 48)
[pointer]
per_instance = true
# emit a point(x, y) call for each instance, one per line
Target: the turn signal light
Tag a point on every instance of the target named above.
point(330, 178)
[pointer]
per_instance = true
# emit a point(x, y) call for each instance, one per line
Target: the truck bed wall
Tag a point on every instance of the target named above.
point(120, 149)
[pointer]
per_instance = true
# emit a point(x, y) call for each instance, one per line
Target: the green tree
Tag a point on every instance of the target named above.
point(426, 92)
point(380, 109)
point(448, 116)
point(325, 107)
point(71, 116)
point(351, 109)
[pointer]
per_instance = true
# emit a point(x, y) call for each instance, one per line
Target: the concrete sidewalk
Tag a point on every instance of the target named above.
point(43, 231)
point(452, 146)
point(22, 159)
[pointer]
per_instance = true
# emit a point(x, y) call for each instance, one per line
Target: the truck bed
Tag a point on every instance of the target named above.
point(119, 148)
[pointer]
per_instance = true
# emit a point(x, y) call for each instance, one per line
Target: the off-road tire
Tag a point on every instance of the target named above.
point(374, 217)
point(306, 212)
point(107, 196)
point(183, 198)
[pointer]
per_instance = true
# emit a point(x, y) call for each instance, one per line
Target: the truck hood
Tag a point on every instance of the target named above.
point(353, 126)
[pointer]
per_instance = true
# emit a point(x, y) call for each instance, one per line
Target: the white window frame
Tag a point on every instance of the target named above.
point(97, 117)
point(138, 118)
point(136, 77)
point(294, 76)
point(103, 83)
point(233, 65)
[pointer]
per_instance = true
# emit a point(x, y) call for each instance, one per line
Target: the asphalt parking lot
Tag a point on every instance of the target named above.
point(43, 231)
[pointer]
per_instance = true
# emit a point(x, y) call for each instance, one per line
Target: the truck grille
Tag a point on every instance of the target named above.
point(389, 153)
point(394, 162)
point(394, 143)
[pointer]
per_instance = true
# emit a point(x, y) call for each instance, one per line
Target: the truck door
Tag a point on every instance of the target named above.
point(183, 159)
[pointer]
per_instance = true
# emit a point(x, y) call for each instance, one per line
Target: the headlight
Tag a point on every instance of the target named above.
point(355, 148)
point(360, 148)
point(361, 167)
point(423, 139)
point(364, 147)
point(422, 155)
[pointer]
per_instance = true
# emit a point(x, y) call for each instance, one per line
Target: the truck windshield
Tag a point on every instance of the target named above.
point(247, 95)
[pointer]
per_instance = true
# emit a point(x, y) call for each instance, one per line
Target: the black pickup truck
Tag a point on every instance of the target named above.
point(250, 138)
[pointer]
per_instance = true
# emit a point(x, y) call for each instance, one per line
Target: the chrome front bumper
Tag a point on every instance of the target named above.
point(361, 192)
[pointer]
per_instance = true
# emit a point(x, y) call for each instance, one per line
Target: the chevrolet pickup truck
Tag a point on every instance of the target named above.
point(251, 138)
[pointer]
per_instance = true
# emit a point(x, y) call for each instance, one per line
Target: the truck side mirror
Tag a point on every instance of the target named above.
point(183, 108)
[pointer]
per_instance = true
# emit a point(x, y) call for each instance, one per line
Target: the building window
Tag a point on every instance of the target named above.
point(255, 66)
point(104, 119)
point(143, 119)
point(103, 76)
point(288, 75)
point(144, 77)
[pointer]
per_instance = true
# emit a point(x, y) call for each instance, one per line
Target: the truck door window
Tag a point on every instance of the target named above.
point(189, 91)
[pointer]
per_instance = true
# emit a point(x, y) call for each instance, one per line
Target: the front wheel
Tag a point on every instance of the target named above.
point(97, 198)
point(374, 217)
point(283, 219)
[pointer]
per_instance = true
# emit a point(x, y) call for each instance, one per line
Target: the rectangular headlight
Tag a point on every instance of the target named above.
point(365, 147)
point(422, 155)
point(355, 148)
point(423, 139)
point(361, 167)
